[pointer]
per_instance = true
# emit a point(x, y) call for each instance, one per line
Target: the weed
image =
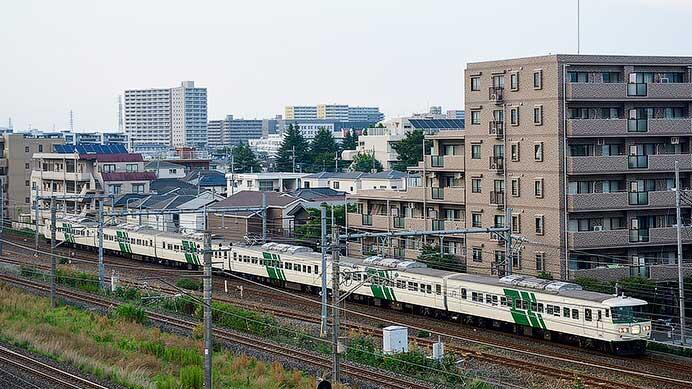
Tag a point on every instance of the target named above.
point(131, 313)
point(189, 284)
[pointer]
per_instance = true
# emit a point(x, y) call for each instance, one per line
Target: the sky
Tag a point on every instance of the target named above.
point(255, 57)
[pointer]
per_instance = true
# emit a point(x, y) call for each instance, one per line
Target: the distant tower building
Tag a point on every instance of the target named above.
point(71, 121)
point(171, 117)
point(120, 113)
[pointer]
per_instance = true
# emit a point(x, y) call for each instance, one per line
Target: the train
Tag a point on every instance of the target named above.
point(525, 304)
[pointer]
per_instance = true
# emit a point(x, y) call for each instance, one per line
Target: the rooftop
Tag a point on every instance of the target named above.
point(155, 165)
point(251, 198)
point(128, 176)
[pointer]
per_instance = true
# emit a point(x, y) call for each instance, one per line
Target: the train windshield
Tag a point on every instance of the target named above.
point(629, 314)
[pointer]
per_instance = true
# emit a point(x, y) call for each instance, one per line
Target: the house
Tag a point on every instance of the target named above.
point(173, 221)
point(315, 197)
point(284, 213)
point(212, 180)
point(352, 182)
point(164, 169)
point(276, 182)
point(166, 185)
point(385, 180)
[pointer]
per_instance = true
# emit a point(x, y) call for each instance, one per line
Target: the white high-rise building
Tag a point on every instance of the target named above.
point(340, 112)
point(171, 116)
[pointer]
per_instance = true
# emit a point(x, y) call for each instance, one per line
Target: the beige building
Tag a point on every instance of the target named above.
point(580, 148)
point(15, 168)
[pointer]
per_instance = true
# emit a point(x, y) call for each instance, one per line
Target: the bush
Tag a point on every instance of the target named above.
point(423, 334)
point(78, 280)
point(545, 275)
point(130, 312)
point(191, 377)
point(189, 284)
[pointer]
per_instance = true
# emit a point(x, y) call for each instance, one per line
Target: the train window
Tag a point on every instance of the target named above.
point(534, 306)
point(488, 299)
point(540, 307)
point(413, 286)
point(503, 301)
point(565, 312)
point(587, 314)
point(463, 293)
point(494, 299)
point(474, 296)
point(225, 254)
point(139, 241)
point(575, 314)
point(607, 311)
point(428, 289)
point(599, 315)
point(305, 269)
point(438, 289)
point(524, 305)
point(317, 269)
point(556, 310)
point(151, 242)
point(549, 309)
point(255, 260)
point(289, 266)
point(401, 284)
point(454, 293)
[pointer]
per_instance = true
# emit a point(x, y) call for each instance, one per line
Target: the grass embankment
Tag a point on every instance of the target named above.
point(120, 349)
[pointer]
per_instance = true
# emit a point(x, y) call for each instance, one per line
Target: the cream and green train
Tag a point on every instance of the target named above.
point(530, 305)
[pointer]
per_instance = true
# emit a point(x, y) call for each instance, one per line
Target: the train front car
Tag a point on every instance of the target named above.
point(630, 327)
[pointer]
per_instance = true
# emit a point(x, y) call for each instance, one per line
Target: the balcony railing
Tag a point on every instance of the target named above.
point(497, 199)
point(438, 225)
point(637, 161)
point(637, 236)
point(636, 89)
point(496, 94)
point(637, 125)
point(437, 160)
point(496, 128)
point(399, 252)
point(639, 198)
point(367, 220)
point(496, 163)
point(438, 193)
point(399, 222)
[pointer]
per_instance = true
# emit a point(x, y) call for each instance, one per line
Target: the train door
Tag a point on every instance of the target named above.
point(599, 324)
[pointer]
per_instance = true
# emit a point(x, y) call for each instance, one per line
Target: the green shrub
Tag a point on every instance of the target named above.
point(423, 334)
point(545, 275)
point(191, 377)
point(78, 280)
point(189, 284)
point(130, 312)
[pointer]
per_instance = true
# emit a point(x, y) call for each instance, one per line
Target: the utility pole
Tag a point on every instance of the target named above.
point(207, 304)
point(508, 242)
point(102, 269)
point(37, 223)
point(335, 306)
point(293, 151)
point(232, 173)
point(336, 162)
point(323, 243)
point(681, 284)
point(2, 211)
point(53, 265)
point(264, 217)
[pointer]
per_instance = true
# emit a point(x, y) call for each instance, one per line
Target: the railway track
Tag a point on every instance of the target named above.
point(55, 375)
point(382, 379)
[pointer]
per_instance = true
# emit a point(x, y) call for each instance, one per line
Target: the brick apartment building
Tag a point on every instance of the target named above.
point(582, 149)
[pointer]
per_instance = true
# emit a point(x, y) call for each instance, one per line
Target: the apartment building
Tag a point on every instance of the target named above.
point(264, 182)
point(434, 199)
point(15, 168)
point(231, 132)
point(86, 169)
point(170, 116)
point(338, 112)
point(582, 150)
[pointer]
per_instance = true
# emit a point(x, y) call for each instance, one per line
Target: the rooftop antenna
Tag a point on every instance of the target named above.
point(71, 121)
point(120, 113)
point(578, 27)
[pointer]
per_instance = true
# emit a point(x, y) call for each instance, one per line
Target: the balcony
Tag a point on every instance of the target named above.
point(437, 161)
point(437, 193)
point(496, 94)
point(449, 163)
point(496, 128)
point(624, 163)
point(597, 239)
point(638, 198)
point(584, 202)
point(590, 128)
point(496, 163)
point(398, 222)
point(497, 199)
point(438, 225)
point(366, 220)
point(628, 91)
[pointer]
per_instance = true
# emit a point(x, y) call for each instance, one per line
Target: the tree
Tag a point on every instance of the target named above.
point(365, 162)
point(284, 158)
point(244, 160)
point(323, 149)
point(350, 141)
point(430, 254)
point(409, 150)
point(311, 230)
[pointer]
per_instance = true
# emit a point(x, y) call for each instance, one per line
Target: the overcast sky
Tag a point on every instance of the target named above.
point(257, 56)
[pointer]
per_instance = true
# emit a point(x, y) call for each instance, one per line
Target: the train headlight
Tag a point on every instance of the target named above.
point(636, 329)
point(623, 330)
point(647, 328)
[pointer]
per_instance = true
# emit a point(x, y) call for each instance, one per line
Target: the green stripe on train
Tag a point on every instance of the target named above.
point(524, 317)
point(381, 292)
point(123, 242)
point(68, 232)
point(272, 264)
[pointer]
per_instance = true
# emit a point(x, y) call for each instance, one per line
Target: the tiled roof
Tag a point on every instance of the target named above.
point(248, 198)
point(128, 176)
point(121, 157)
point(390, 174)
point(163, 165)
point(163, 185)
point(341, 175)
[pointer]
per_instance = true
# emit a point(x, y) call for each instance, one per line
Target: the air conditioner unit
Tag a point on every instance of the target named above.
point(411, 205)
point(598, 228)
point(600, 141)
point(665, 80)
point(493, 97)
point(395, 212)
point(674, 140)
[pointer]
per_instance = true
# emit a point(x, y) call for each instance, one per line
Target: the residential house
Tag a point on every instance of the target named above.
point(276, 182)
point(164, 169)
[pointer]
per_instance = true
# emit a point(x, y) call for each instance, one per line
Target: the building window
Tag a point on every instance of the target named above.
point(477, 254)
point(40, 148)
point(514, 152)
point(516, 187)
point(115, 189)
point(514, 116)
point(27, 166)
point(540, 261)
point(476, 220)
point(131, 167)
point(516, 223)
point(538, 115)
point(108, 168)
point(475, 117)
point(26, 183)
point(539, 222)
point(475, 185)
point(336, 184)
point(514, 81)
point(26, 149)
point(499, 221)
point(475, 151)
point(538, 79)
point(475, 83)
point(538, 188)
point(27, 200)
point(137, 188)
point(516, 259)
point(538, 151)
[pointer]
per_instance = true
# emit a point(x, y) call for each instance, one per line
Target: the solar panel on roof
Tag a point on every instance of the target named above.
point(90, 149)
